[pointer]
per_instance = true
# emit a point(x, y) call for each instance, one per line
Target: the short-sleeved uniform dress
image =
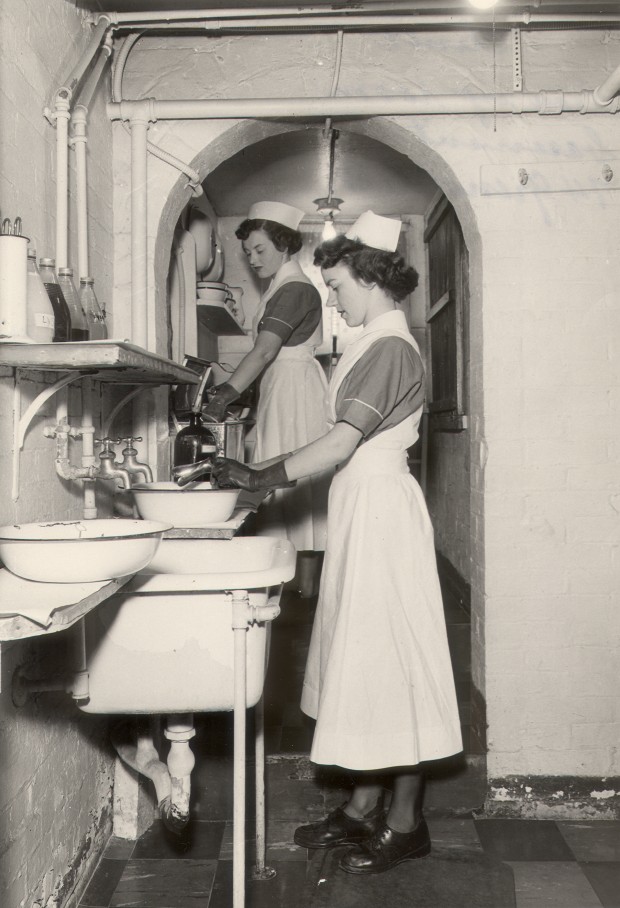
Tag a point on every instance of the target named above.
point(292, 406)
point(379, 678)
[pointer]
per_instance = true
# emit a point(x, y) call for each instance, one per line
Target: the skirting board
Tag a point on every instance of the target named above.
point(554, 797)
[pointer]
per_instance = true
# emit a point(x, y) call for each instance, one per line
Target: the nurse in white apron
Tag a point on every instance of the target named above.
point(292, 406)
point(378, 679)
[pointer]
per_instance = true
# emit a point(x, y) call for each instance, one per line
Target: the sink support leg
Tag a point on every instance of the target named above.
point(261, 871)
point(240, 609)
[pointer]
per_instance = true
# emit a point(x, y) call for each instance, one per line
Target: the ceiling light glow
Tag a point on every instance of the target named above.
point(483, 4)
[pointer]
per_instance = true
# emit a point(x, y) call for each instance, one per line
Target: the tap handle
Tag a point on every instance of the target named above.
point(129, 440)
point(107, 444)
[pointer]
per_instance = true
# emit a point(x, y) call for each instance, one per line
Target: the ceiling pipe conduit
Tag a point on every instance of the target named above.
point(369, 14)
point(543, 102)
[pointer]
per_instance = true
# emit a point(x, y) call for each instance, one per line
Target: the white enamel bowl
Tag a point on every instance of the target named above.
point(79, 551)
point(197, 505)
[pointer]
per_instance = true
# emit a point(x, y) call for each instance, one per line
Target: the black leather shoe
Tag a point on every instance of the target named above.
point(387, 848)
point(339, 829)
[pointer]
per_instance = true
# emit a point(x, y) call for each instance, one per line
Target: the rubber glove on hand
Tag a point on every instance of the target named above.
point(217, 406)
point(231, 473)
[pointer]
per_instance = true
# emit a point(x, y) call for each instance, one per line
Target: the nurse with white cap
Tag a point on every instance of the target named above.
point(378, 678)
point(292, 407)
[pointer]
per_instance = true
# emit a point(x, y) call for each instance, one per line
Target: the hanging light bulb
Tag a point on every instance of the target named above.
point(329, 231)
point(483, 4)
point(329, 204)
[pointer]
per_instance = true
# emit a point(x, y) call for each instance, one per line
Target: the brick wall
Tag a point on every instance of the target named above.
point(56, 764)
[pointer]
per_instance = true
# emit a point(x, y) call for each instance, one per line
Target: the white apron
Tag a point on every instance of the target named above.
point(292, 411)
point(379, 678)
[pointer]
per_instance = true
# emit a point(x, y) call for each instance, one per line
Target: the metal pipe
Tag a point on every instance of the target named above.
point(240, 607)
point(62, 115)
point(79, 140)
point(101, 25)
point(606, 92)
point(139, 275)
point(372, 15)
point(543, 102)
point(87, 430)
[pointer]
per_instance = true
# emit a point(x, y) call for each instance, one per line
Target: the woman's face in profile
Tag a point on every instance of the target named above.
point(346, 294)
point(262, 255)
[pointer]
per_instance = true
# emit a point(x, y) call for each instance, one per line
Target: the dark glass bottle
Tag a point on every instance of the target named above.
point(79, 326)
point(193, 443)
point(62, 317)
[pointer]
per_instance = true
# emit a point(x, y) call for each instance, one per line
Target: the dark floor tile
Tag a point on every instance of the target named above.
point(595, 841)
point(165, 884)
point(103, 883)
point(429, 883)
point(552, 884)
point(199, 840)
point(604, 877)
point(287, 889)
point(523, 840)
point(454, 839)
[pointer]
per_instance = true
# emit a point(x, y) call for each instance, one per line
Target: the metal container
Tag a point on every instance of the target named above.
point(229, 438)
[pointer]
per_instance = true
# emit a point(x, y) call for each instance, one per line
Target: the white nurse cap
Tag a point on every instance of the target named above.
point(376, 231)
point(276, 211)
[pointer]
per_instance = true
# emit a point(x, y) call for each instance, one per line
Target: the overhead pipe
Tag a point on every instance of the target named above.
point(368, 15)
point(543, 102)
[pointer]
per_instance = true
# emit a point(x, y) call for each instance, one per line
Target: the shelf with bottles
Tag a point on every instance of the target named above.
point(117, 361)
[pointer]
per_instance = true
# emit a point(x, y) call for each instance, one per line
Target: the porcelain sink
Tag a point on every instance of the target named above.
point(241, 563)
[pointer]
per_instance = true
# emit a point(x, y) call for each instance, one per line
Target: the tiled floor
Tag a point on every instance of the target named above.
point(475, 863)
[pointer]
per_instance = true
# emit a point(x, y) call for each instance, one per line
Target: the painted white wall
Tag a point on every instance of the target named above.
point(56, 763)
point(544, 368)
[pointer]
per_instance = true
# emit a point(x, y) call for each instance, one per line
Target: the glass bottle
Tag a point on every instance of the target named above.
point(39, 310)
point(94, 316)
point(62, 317)
point(193, 443)
point(79, 325)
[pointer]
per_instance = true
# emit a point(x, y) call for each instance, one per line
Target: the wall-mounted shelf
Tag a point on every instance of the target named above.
point(113, 361)
point(218, 318)
point(30, 609)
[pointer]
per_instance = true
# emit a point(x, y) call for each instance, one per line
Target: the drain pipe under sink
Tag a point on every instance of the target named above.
point(172, 781)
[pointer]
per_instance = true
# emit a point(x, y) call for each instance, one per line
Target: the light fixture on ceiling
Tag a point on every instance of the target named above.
point(329, 204)
point(483, 4)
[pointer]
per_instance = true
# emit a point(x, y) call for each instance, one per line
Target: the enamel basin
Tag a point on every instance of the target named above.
point(241, 563)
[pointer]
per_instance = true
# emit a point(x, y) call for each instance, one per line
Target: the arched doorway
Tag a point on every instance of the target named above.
point(457, 456)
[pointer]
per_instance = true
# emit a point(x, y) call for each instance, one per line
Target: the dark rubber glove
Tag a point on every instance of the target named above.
point(231, 473)
point(217, 406)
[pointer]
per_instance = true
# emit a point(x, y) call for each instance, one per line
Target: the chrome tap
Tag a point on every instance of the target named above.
point(188, 472)
point(108, 467)
point(129, 461)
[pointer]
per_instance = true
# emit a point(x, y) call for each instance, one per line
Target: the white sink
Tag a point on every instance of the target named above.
point(164, 644)
point(242, 563)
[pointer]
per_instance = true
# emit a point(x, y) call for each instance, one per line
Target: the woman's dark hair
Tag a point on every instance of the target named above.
point(283, 238)
point(372, 266)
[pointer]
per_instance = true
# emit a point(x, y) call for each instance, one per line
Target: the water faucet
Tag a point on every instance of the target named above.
point(109, 468)
point(188, 472)
point(129, 461)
